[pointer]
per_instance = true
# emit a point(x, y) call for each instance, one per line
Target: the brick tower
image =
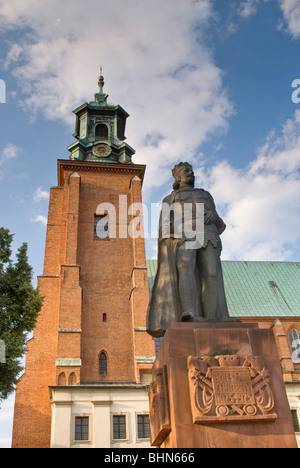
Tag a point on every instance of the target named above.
point(90, 337)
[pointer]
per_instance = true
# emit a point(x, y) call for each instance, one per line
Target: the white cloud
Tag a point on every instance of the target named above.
point(291, 12)
point(40, 195)
point(259, 203)
point(10, 151)
point(13, 55)
point(248, 8)
point(153, 62)
point(40, 219)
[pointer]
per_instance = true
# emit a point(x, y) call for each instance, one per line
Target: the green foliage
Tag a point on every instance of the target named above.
point(20, 304)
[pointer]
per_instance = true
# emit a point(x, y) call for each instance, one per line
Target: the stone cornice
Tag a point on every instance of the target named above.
point(68, 165)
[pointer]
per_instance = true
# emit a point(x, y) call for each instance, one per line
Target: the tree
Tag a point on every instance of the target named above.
point(20, 304)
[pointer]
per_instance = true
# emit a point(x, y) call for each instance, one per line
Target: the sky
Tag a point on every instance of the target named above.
point(205, 81)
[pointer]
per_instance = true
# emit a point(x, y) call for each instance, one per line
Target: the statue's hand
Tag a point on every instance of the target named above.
point(210, 217)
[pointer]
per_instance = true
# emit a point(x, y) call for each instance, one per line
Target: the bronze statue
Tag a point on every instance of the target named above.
point(189, 280)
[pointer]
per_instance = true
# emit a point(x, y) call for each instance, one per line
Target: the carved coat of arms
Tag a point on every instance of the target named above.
point(230, 388)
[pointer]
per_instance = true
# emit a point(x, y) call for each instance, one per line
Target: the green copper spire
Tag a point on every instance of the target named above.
point(100, 131)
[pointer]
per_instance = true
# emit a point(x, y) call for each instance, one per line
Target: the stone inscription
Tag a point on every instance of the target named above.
point(232, 386)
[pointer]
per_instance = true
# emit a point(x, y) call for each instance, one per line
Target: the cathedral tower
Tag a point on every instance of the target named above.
point(90, 343)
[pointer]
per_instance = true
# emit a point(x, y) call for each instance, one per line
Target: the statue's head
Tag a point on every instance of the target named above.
point(184, 175)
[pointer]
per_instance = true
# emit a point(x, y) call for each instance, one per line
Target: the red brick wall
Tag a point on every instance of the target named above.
point(83, 279)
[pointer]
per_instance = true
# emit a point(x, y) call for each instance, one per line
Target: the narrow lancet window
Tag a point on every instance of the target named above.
point(103, 364)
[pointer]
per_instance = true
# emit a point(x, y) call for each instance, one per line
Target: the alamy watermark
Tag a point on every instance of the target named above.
point(296, 93)
point(178, 220)
point(2, 352)
point(2, 92)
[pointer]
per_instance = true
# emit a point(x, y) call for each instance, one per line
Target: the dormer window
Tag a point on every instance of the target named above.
point(101, 132)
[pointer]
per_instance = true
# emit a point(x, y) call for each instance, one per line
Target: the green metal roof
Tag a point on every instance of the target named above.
point(257, 289)
point(151, 266)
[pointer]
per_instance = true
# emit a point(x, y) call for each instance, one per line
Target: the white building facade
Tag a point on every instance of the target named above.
point(100, 416)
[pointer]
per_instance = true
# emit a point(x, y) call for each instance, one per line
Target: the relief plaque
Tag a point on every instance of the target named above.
point(230, 388)
point(159, 407)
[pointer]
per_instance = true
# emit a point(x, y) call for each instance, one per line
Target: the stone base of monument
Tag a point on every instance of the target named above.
point(219, 385)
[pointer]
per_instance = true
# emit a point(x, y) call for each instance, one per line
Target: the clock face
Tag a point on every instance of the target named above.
point(102, 150)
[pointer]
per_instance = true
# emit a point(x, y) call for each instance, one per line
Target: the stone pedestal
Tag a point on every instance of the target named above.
point(219, 385)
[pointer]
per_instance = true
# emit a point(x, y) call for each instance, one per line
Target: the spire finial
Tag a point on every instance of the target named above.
point(101, 97)
point(101, 81)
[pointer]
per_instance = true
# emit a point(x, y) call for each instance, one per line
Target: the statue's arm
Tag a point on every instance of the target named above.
point(221, 226)
point(213, 217)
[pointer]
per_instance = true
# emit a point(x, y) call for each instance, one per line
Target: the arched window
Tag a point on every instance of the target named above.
point(102, 364)
point(62, 379)
point(294, 337)
point(72, 379)
point(101, 132)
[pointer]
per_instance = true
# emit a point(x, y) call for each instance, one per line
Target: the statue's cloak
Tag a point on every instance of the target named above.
point(165, 306)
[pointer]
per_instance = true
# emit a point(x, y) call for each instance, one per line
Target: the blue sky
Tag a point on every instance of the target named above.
point(207, 81)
